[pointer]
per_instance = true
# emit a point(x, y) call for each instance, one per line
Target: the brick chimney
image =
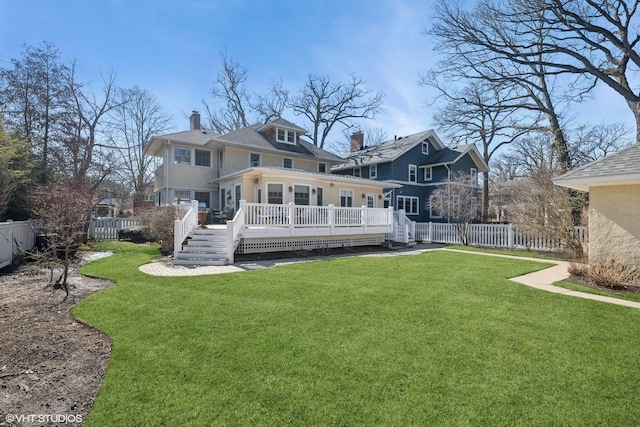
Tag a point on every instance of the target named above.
point(357, 141)
point(194, 121)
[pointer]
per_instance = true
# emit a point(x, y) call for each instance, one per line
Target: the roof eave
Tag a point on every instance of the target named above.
point(585, 183)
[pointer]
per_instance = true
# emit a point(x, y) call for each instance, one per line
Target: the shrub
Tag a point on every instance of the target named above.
point(158, 224)
point(135, 234)
point(614, 274)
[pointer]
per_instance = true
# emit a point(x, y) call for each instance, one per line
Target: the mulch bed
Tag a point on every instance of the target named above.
point(50, 363)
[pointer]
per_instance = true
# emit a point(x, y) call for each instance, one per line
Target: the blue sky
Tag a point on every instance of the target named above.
point(172, 48)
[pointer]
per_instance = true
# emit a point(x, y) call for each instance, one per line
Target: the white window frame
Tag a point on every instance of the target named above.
point(287, 136)
point(176, 162)
point(308, 187)
point(347, 193)
point(414, 202)
point(285, 159)
point(413, 169)
point(281, 184)
point(371, 198)
point(428, 173)
point(425, 148)
point(474, 173)
point(237, 194)
point(251, 162)
point(373, 171)
point(319, 194)
point(181, 199)
point(322, 165)
point(357, 172)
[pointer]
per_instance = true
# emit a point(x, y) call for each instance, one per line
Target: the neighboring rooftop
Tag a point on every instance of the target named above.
point(620, 168)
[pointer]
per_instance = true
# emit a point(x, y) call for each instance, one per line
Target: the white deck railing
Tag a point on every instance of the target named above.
point(185, 226)
point(108, 228)
point(235, 228)
point(268, 220)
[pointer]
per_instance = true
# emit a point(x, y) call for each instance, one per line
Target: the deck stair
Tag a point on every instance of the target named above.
point(205, 246)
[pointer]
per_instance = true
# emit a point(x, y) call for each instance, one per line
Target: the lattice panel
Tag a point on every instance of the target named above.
point(251, 246)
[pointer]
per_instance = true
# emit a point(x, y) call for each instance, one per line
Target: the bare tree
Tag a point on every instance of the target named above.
point(272, 104)
point(65, 211)
point(229, 101)
point(136, 118)
point(457, 201)
point(32, 94)
point(326, 104)
point(498, 43)
point(86, 117)
point(482, 114)
point(589, 143)
point(541, 208)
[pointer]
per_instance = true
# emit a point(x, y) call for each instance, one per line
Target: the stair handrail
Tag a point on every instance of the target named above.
point(235, 229)
point(185, 226)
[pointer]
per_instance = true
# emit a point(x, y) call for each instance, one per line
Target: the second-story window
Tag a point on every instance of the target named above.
point(373, 171)
point(287, 163)
point(428, 174)
point(356, 172)
point(322, 167)
point(254, 160)
point(287, 136)
point(181, 156)
point(203, 158)
point(413, 173)
point(425, 147)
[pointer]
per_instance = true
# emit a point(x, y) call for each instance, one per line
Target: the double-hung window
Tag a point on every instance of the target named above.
point(287, 163)
point(373, 171)
point(275, 194)
point(181, 156)
point(428, 174)
point(286, 136)
point(254, 160)
point(203, 158)
point(413, 173)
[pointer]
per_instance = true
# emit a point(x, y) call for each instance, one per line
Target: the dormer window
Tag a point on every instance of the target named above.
point(286, 136)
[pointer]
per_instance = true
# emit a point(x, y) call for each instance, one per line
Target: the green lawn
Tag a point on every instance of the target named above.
point(441, 338)
point(513, 252)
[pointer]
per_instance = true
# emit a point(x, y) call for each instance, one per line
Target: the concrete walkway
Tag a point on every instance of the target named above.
point(542, 279)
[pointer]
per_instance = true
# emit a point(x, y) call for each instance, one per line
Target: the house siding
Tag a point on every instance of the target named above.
point(614, 229)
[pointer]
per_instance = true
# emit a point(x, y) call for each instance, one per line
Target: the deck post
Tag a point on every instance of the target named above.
point(330, 218)
point(510, 237)
point(363, 218)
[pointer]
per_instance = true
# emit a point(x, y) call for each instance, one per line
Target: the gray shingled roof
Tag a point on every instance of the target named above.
point(385, 151)
point(622, 167)
point(249, 137)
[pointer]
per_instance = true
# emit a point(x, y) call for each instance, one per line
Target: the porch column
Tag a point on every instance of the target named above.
point(330, 218)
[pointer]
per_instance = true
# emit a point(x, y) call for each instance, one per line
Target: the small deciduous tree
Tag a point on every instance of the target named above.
point(541, 208)
point(65, 210)
point(457, 201)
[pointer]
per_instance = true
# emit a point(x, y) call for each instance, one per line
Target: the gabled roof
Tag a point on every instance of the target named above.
point(282, 123)
point(252, 137)
point(620, 168)
point(389, 150)
point(449, 156)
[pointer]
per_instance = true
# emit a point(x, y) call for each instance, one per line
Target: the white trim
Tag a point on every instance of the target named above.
point(373, 197)
point(345, 191)
point(284, 198)
point(179, 147)
point(415, 173)
point(404, 204)
point(359, 174)
point(373, 171)
point(425, 142)
point(251, 165)
point(308, 191)
point(424, 174)
point(319, 188)
point(431, 214)
point(287, 133)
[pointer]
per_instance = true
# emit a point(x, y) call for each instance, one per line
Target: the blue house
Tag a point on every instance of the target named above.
point(419, 162)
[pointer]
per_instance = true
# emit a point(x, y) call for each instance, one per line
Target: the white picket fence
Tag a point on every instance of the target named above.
point(15, 237)
point(491, 235)
point(107, 228)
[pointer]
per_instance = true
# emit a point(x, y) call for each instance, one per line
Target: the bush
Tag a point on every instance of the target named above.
point(158, 224)
point(135, 234)
point(609, 273)
point(614, 274)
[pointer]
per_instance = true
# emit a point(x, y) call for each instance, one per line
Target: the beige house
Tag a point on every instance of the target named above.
point(269, 188)
point(263, 163)
point(613, 183)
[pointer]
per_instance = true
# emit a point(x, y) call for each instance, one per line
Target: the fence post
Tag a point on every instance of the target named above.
point(430, 232)
point(510, 237)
